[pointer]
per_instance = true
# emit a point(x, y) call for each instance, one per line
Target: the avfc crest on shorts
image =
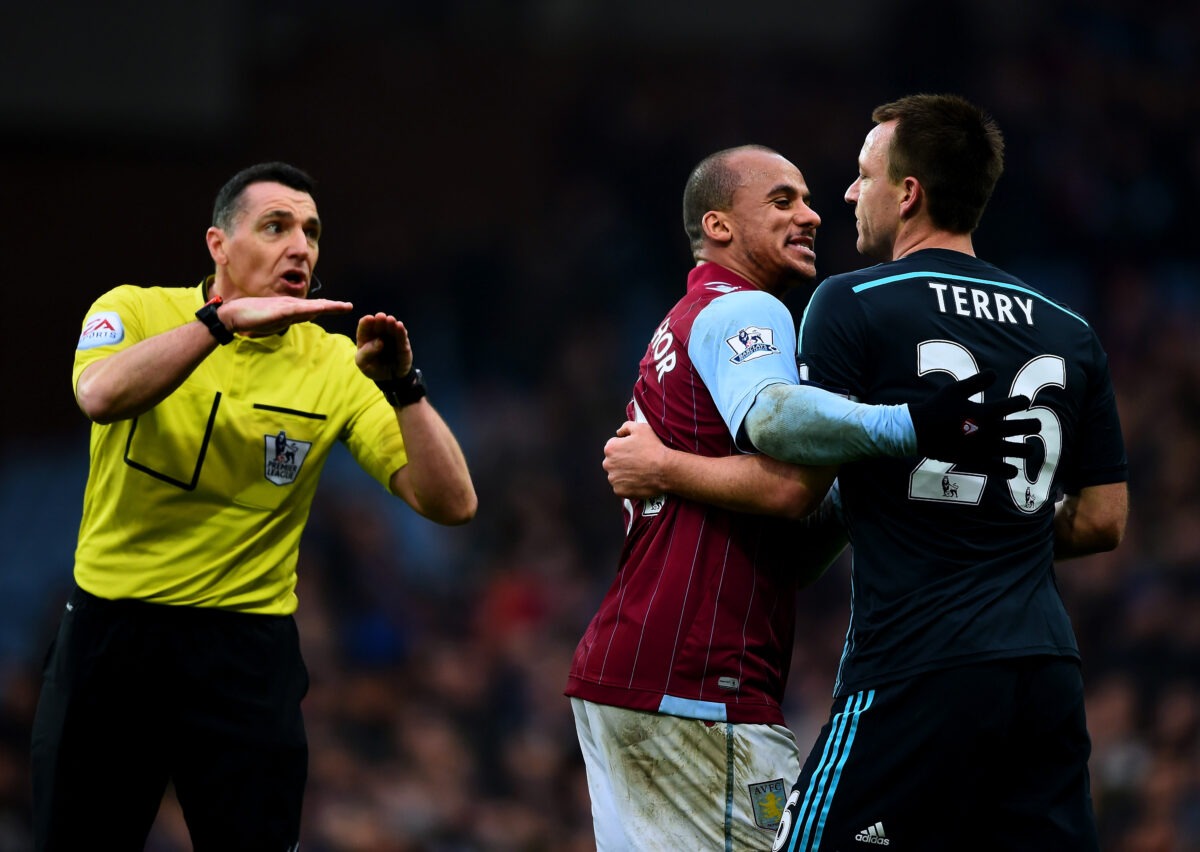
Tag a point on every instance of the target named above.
point(769, 799)
point(752, 342)
point(283, 457)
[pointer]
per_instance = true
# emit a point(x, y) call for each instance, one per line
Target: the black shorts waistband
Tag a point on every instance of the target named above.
point(138, 608)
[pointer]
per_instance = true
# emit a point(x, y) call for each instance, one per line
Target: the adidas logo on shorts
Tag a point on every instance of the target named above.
point(873, 835)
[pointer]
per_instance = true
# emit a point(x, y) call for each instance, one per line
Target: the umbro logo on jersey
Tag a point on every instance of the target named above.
point(969, 427)
point(873, 835)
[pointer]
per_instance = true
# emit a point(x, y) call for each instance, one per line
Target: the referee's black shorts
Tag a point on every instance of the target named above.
point(990, 756)
point(137, 694)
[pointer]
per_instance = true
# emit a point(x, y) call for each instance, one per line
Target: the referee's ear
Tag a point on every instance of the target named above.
point(215, 238)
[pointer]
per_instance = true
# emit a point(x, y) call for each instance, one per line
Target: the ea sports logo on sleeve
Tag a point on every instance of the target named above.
point(101, 329)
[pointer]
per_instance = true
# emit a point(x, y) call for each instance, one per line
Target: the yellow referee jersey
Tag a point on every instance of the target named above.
point(201, 501)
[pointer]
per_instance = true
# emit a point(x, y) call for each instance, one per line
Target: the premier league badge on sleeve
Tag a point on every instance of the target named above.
point(752, 342)
point(283, 457)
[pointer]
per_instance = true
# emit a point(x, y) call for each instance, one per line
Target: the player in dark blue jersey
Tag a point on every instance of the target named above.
point(958, 718)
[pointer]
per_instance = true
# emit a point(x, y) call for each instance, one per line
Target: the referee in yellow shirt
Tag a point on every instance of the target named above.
point(214, 408)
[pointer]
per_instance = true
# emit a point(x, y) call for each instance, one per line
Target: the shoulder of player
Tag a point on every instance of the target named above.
point(722, 303)
point(740, 307)
point(878, 272)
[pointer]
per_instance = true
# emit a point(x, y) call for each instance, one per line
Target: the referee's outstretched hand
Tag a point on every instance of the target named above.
point(950, 427)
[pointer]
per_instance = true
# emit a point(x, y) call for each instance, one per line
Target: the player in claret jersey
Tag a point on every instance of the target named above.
point(677, 682)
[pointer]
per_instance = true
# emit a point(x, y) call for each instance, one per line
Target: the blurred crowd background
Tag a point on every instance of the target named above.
point(506, 178)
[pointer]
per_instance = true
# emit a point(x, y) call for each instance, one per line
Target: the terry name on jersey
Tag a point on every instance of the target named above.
point(981, 304)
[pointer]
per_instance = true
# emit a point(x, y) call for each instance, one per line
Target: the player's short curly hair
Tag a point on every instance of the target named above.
point(229, 199)
point(710, 186)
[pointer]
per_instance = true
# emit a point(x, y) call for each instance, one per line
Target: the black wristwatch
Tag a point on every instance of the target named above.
point(208, 316)
point(405, 390)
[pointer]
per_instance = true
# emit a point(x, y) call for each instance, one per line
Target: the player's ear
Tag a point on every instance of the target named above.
point(911, 197)
point(717, 227)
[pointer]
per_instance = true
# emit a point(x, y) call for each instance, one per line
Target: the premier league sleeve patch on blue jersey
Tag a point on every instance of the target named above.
point(102, 329)
point(750, 343)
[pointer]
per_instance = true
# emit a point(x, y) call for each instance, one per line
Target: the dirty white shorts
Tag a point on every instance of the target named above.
point(661, 782)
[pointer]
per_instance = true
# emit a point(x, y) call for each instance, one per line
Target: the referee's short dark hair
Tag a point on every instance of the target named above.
point(229, 198)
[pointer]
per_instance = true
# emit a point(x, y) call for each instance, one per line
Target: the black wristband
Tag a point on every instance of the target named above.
point(208, 316)
point(405, 390)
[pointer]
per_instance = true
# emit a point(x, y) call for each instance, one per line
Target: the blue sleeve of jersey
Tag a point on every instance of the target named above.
point(826, 424)
point(741, 343)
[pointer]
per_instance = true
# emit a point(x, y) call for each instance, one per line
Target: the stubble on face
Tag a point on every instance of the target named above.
point(777, 228)
point(272, 246)
point(874, 209)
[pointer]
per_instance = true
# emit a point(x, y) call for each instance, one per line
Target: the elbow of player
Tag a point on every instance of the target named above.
point(1097, 538)
point(762, 425)
point(794, 501)
point(1103, 530)
point(1108, 537)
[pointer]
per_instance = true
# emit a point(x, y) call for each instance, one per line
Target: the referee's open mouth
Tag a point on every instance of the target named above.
point(295, 282)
